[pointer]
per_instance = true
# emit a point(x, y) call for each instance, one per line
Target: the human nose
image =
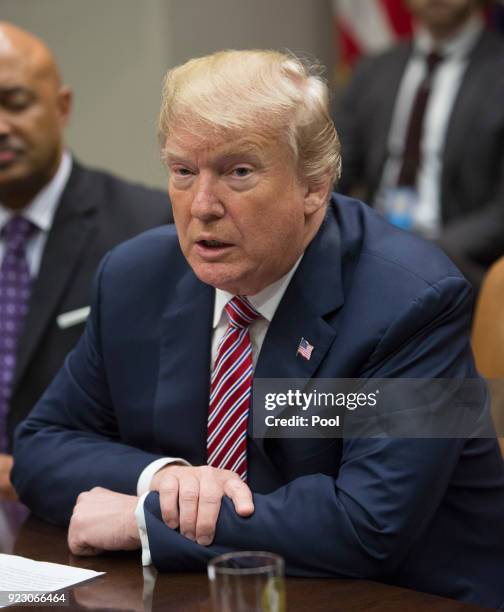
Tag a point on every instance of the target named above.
point(5, 126)
point(206, 204)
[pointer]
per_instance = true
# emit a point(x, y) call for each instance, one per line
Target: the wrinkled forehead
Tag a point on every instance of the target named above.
point(225, 122)
point(220, 143)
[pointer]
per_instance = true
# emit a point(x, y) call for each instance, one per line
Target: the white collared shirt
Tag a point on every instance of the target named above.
point(445, 87)
point(40, 211)
point(266, 303)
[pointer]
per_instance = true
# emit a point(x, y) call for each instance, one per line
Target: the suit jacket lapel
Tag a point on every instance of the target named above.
point(74, 219)
point(181, 404)
point(315, 291)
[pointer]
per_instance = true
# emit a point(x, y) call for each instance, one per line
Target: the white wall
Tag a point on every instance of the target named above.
point(114, 53)
point(203, 26)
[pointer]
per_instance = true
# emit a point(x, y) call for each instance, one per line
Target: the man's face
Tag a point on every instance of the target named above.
point(443, 15)
point(243, 218)
point(33, 113)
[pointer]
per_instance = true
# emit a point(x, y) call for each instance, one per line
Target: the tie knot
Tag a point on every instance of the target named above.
point(17, 231)
point(433, 59)
point(240, 311)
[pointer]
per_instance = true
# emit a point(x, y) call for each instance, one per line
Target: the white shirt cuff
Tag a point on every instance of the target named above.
point(142, 530)
point(144, 482)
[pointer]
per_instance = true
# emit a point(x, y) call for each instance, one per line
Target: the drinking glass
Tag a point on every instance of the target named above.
point(249, 581)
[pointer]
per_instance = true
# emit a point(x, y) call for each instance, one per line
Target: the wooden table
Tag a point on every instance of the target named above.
point(126, 586)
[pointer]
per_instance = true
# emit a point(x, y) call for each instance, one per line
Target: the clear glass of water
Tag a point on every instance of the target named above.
point(247, 582)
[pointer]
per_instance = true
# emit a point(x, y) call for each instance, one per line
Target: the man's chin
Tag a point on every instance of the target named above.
point(222, 276)
point(19, 183)
point(12, 174)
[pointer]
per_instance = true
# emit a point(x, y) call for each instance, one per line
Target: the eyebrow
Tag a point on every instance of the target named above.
point(241, 149)
point(232, 156)
point(167, 156)
point(249, 150)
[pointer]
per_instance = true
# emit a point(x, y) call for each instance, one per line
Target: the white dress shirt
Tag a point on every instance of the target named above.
point(445, 87)
point(266, 303)
point(40, 211)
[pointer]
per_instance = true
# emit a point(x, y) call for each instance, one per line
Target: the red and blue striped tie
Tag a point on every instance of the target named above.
point(230, 391)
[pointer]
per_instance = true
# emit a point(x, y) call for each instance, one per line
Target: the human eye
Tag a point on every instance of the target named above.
point(17, 100)
point(180, 175)
point(181, 171)
point(241, 171)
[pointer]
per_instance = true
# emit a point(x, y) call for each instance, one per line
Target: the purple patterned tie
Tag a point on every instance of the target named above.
point(15, 288)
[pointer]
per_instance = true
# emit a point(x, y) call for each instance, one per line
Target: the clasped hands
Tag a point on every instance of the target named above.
point(190, 500)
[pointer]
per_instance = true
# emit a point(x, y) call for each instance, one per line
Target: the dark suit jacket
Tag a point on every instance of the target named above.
point(96, 212)
point(374, 302)
point(472, 182)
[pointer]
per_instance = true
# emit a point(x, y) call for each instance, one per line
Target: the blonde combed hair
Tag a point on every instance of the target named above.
point(256, 91)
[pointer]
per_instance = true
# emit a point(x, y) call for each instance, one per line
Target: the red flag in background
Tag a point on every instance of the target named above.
point(368, 26)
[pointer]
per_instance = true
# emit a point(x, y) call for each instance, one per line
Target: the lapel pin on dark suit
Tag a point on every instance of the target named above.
point(304, 349)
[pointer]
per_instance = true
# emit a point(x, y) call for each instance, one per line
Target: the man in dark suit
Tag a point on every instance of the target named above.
point(422, 132)
point(144, 439)
point(72, 217)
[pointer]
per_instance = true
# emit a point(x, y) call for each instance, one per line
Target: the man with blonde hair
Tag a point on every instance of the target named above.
point(269, 276)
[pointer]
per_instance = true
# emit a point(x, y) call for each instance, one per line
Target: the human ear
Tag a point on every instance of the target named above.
point(65, 103)
point(316, 194)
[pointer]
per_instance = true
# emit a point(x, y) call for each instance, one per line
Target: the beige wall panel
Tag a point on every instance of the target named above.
point(114, 54)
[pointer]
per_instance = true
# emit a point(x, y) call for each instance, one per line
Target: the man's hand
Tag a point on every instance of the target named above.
point(190, 498)
point(103, 520)
point(7, 491)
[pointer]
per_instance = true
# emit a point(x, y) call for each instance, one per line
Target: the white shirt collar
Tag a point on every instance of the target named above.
point(459, 46)
point(41, 210)
point(265, 302)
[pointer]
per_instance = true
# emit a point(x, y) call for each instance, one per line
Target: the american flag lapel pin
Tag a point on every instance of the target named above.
point(305, 349)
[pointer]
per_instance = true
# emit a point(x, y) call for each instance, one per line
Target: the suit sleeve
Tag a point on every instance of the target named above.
point(363, 522)
point(71, 441)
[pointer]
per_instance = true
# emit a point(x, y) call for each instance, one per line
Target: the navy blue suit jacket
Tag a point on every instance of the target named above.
point(375, 302)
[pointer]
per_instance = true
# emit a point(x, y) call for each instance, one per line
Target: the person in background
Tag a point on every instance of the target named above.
point(422, 131)
point(57, 220)
point(145, 438)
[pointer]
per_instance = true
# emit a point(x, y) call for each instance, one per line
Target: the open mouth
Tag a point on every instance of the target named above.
point(213, 244)
point(212, 250)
